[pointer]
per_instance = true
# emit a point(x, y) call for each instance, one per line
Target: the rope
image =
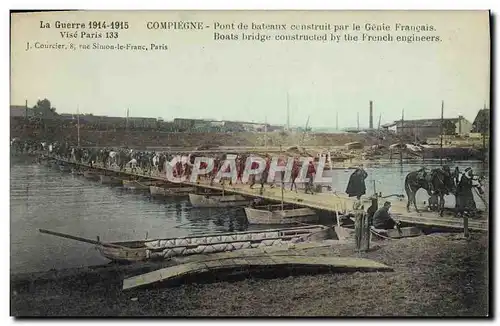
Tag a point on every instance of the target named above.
point(380, 235)
point(481, 197)
point(141, 184)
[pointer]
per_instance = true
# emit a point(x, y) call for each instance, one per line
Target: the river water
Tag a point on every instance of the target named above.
point(43, 197)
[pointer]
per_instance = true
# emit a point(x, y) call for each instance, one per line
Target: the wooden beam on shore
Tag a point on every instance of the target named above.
point(240, 260)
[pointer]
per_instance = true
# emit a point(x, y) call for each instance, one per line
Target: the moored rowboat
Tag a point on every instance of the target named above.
point(273, 214)
point(160, 249)
point(174, 191)
point(208, 200)
point(110, 180)
point(65, 168)
point(138, 185)
point(76, 171)
point(91, 175)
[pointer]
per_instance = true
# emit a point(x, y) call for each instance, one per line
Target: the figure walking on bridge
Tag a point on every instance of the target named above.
point(356, 186)
point(311, 172)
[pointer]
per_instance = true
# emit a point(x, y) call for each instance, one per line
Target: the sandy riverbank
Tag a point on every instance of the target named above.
point(435, 275)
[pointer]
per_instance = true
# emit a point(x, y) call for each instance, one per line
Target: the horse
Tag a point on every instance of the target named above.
point(442, 183)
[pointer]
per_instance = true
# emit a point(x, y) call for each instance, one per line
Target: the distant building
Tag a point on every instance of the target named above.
point(392, 126)
point(182, 123)
point(426, 128)
point(223, 125)
point(20, 111)
point(482, 121)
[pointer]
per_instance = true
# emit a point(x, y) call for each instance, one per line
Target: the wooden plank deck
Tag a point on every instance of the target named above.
point(331, 202)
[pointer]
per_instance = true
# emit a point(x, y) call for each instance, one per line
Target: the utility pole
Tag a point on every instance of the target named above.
point(287, 111)
point(371, 115)
point(358, 121)
point(305, 130)
point(126, 121)
point(401, 137)
point(484, 130)
point(78, 124)
point(441, 134)
point(265, 134)
point(26, 109)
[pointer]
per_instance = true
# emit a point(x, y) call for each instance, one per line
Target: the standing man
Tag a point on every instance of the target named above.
point(465, 198)
point(311, 172)
point(356, 186)
point(254, 166)
point(265, 174)
point(295, 173)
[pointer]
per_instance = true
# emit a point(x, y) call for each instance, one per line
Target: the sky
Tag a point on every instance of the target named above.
point(198, 77)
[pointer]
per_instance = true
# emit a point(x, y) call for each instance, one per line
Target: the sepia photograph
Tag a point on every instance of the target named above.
point(250, 163)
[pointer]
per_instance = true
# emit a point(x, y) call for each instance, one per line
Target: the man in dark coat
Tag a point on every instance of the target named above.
point(382, 219)
point(356, 186)
point(464, 197)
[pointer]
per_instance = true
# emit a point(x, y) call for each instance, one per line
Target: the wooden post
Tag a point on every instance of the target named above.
point(282, 193)
point(358, 221)
point(441, 135)
point(362, 231)
point(366, 233)
point(466, 226)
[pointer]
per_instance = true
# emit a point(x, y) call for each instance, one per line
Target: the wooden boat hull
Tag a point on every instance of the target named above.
point(197, 200)
point(161, 249)
point(91, 175)
point(76, 172)
point(109, 180)
point(64, 168)
point(166, 192)
point(349, 234)
point(404, 232)
point(137, 185)
point(286, 216)
point(125, 255)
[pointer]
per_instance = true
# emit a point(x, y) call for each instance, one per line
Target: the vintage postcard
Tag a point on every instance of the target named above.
point(249, 163)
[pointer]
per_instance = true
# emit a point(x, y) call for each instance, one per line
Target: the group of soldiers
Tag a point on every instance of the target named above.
point(153, 161)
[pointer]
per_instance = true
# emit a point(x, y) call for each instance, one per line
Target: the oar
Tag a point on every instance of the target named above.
point(68, 236)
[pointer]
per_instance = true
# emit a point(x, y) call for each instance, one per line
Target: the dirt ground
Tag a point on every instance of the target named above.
point(434, 275)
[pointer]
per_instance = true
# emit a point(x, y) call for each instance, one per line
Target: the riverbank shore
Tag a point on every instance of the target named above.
point(434, 275)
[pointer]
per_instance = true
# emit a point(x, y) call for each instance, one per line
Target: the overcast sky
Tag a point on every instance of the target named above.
point(202, 78)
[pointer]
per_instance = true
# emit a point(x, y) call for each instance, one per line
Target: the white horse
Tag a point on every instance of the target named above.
point(112, 159)
point(155, 160)
point(132, 163)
